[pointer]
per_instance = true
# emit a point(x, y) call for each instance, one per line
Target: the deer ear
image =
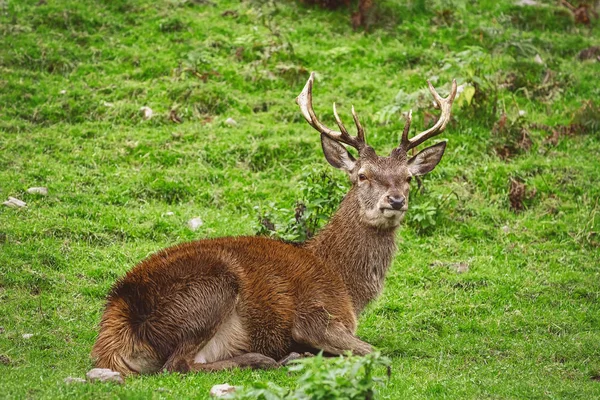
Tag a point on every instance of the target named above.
point(337, 155)
point(426, 160)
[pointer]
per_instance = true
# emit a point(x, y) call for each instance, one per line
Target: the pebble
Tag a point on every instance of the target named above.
point(147, 112)
point(231, 122)
point(195, 223)
point(104, 375)
point(38, 190)
point(27, 335)
point(221, 390)
point(14, 203)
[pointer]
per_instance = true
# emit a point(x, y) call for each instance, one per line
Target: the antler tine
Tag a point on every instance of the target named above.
point(404, 141)
point(445, 106)
point(304, 100)
point(359, 129)
point(339, 121)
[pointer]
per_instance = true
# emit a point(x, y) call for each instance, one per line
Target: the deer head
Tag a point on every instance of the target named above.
point(381, 184)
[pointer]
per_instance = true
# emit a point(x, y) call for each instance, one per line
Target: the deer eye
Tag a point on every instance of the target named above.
point(362, 177)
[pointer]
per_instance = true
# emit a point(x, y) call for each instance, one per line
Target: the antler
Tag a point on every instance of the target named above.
point(445, 106)
point(304, 100)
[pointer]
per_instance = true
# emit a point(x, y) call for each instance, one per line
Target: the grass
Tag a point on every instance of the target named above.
point(522, 322)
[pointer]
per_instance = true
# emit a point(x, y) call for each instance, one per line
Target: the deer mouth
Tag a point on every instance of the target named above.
point(392, 213)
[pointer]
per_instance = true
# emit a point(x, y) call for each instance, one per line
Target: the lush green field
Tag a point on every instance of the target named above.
point(522, 322)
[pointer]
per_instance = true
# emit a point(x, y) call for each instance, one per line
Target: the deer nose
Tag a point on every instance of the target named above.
point(396, 201)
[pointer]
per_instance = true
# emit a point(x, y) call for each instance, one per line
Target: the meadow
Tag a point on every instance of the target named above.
point(495, 289)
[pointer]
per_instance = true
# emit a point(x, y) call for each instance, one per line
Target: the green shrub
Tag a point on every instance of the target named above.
point(326, 378)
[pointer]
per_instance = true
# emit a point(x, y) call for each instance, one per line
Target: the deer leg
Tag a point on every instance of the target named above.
point(292, 357)
point(183, 356)
point(319, 330)
point(248, 360)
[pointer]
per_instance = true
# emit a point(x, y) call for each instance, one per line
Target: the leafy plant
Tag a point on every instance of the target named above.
point(321, 195)
point(425, 216)
point(326, 378)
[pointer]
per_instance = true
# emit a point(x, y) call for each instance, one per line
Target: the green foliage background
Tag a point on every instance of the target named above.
point(522, 322)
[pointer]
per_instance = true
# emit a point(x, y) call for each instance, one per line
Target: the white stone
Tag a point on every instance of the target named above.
point(63, 92)
point(15, 203)
point(221, 390)
point(522, 113)
point(169, 213)
point(231, 122)
point(195, 223)
point(147, 112)
point(27, 335)
point(38, 190)
point(104, 375)
point(538, 59)
point(527, 3)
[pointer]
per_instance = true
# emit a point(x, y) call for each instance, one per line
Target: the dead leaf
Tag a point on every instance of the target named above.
point(500, 125)
point(459, 267)
point(229, 13)
point(591, 53)
point(174, 117)
point(525, 141)
point(583, 13)
point(518, 193)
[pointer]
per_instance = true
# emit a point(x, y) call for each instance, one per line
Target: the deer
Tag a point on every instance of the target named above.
point(257, 302)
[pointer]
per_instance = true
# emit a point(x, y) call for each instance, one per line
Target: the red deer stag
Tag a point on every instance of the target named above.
point(249, 301)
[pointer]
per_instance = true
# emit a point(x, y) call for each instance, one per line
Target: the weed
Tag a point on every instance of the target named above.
point(326, 378)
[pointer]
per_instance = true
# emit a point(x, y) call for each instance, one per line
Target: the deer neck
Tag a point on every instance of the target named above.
point(360, 253)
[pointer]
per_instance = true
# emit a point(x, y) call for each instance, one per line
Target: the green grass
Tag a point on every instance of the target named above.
point(523, 322)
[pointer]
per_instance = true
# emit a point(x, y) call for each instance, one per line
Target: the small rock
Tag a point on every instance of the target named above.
point(104, 375)
point(63, 92)
point(107, 104)
point(532, 3)
point(4, 360)
point(70, 379)
point(195, 223)
point(169, 213)
point(14, 203)
point(38, 190)
point(522, 113)
point(538, 59)
point(505, 229)
point(147, 112)
point(231, 122)
point(221, 390)
point(27, 335)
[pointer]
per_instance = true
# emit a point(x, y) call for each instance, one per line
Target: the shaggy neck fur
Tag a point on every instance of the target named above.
point(360, 253)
